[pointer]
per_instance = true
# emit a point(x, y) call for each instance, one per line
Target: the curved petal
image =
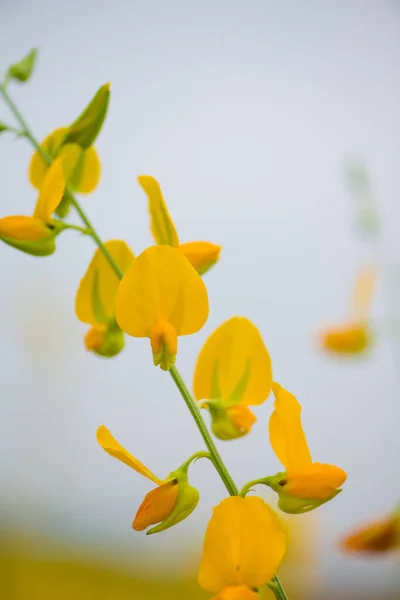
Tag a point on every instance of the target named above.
point(162, 226)
point(95, 298)
point(114, 448)
point(201, 255)
point(26, 229)
point(234, 365)
point(286, 432)
point(38, 166)
point(375, 537)
point(51, 191)
point(82, 168)
point(156, 506)
point(238, 592)
point(244, 545)
point(317, 481)
point(161, 285)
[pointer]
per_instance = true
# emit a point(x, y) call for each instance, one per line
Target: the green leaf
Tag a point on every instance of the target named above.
point(22, 70)
point(87, 126)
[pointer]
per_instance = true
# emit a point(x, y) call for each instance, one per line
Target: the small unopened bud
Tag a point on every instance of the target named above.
point(201, 255)
point(105, 341)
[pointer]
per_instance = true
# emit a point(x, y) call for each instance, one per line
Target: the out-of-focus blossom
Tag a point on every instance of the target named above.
point(202, 255)
point(243, 547)
point(169, 503)
point(304, 485)
point(161, 297)
point(377, 537)
point(233, 371)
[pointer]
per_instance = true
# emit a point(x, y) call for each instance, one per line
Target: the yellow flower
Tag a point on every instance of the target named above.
point(243, 547)
point(169, 503)
point(202, 255)
point(233, 371)
point(81, 166)
point(36, 235)
point(305, 485)
point(95, 299)
point(376, 537)
point(161, 297)
point(353, 337)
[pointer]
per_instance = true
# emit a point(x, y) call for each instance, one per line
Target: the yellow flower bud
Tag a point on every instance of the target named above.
point(105, 341)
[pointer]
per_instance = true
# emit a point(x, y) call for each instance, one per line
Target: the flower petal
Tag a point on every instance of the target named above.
point(202, 255)
point(244, 545)
point(346, 339)
point(162, 226)
point(156, 506)
point(95, 298)
point(376, 537)
point(38, 166)
point(161, 285)
point(317, 481)
point(82, 168)
point(51, 191)
point(238, 592)
point(286, 432)
point(112, 447)
point(23, 228)
point(363, 292)
point(235, 358)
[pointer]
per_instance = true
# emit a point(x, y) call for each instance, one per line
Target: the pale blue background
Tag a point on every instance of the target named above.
point(247, 114)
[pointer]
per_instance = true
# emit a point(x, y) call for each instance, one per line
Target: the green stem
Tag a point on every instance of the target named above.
point(29, 135)
point(190, 403)
point(201, 454)
point(246, 488)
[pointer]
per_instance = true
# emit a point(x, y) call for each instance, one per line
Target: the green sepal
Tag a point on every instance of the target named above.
point(87, 126)
point(43, 247)
point(187, 500)
point(22, 70)
point(164, 359)
point(292, 504)
point(3, 127)
point(63, 208)
point(222, 425)
point(113, 343)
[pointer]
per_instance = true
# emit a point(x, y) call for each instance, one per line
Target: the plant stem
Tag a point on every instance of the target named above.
point(215, 456)
point(29, 135)
point(202, 427)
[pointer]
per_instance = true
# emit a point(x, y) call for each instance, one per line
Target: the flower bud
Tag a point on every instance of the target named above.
point(87, 126)
point(229, 422)
point(106, 341)
point(202, 255)
point(290, 503)
point(164, 344)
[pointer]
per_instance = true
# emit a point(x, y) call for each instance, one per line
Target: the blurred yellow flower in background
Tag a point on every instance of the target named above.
point(233, 371)
point(95, 299)
point(243, 547)
point(168, 504)
point(36, 235)
point(353, 337)
point(161, 297)
point(305, 485)
point(377, 537)
point(202, 255)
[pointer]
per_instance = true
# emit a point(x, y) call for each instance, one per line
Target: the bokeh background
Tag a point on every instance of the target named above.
point(248, 113)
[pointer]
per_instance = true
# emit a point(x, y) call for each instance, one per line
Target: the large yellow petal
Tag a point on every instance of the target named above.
point(114, 448)
point(202, 255)
point(38, 165)
point(161, 285)
point(234, 364)
point(244, 545)
point(238, 592)
point(100, 280)
point(162, 226)
point(286, 432)
point(317, 481)
point(23, 228)
point(156, 506)
point(82, 168)
point(51, 191)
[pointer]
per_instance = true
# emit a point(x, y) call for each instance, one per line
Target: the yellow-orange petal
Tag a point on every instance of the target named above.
point(363, 292)
point(317, 481)
point(244, 545)
point(27, 229)
point(286, 433)
point(234, 365)
point(114, 448)
point(95, 298)
point(94, 338)
point(156, 506)
point(202, 255)
point(38, 165)
point(162, 226)
point(82, 168)
point(161, 285)
point(346, 339)
point(51, 191)
point(242, 417)
point(238, 592)
point(375, 537)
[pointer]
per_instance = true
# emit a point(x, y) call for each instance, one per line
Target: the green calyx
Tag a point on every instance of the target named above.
point(43, 247)
point(164, 359)
point(222, 425)
point(87, 126)
point(113, 342)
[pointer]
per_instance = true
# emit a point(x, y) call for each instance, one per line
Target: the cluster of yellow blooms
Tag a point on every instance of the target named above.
point(160, 295)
